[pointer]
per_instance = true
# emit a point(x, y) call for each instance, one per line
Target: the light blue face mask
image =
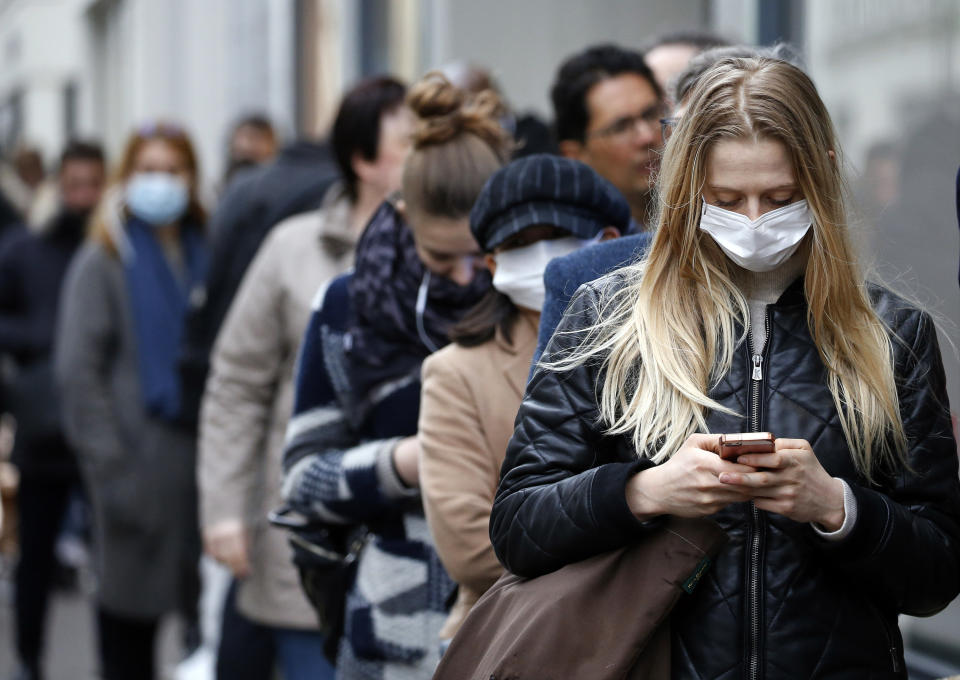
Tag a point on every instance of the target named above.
point(158, 198)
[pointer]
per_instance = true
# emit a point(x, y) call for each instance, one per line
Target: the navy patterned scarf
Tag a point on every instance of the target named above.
point(388, 338)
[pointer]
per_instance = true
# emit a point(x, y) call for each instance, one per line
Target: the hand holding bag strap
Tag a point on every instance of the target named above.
point(592, 619)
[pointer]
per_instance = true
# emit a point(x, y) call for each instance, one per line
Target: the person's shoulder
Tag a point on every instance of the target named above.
point(603, 287)
point(93, 254)
point(456, 359)
point(334, 293)
point(331, 303)
point(902, 316)
point(295, 230)
point(595, 261)
point(16, 245)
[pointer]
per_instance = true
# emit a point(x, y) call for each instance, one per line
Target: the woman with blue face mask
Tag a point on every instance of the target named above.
point(533, 210)
point(121, 320)
point(748, 316)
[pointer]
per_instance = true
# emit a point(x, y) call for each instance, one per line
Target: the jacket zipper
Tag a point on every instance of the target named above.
point(756, 388)
point(891, 637)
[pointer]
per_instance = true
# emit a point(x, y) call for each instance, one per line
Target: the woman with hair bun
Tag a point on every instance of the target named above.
point(749, 315)
point(352, 455)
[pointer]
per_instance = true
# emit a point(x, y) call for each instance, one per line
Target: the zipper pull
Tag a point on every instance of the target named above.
point(757, 367)
point(896, 659)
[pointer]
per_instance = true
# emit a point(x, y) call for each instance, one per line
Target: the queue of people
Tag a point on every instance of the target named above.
point(419, 356)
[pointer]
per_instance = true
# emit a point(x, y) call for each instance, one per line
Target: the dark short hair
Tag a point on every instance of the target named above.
point(699, 40)
point(356, 128)
point(258, 121)
point(80, 150)
point(579, 73)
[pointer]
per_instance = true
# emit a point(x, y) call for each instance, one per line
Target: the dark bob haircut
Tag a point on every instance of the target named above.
point(356, 128)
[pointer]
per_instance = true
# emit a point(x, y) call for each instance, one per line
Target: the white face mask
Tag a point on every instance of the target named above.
point(762, 244)
point(519, 273)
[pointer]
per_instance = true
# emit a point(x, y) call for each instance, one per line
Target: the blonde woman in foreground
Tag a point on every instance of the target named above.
point(749, 315)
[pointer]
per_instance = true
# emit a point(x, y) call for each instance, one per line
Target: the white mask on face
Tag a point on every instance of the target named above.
point(519, 273)
point(759, 245)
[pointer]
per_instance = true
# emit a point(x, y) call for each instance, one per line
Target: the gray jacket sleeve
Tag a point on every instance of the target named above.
point(86, 344)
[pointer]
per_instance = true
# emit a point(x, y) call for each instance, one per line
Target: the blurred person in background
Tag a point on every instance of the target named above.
point(668, 54)
point(529, 212)
point(32, 269)
point(294, 182)
point(28, 164)
point(11, 220)
point(352, 454)
point(878, 188)
point(607, 106)
point(253, 142)
point(26, 184)
point(121, 320)
point(249, 397)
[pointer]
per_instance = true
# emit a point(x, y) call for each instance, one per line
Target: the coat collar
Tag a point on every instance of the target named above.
point(336, 234)
point(516, 366)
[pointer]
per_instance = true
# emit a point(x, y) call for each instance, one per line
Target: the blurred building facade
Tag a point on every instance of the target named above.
point(101, 67)
point(888, 70)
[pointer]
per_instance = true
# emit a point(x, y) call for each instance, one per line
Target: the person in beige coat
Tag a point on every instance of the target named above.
point(529, 212)
point(249, 394)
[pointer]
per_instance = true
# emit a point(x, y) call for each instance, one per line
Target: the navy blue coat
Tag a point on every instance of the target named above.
point(565, 274)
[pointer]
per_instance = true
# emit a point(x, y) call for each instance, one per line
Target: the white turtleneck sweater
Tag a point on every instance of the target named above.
point(765, 288)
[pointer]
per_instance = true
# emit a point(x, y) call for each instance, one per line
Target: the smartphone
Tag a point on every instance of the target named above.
point(733, 445)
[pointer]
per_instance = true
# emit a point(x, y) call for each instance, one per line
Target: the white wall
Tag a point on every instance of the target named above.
point(40, 53)
point(524, 41)
point(201, 64)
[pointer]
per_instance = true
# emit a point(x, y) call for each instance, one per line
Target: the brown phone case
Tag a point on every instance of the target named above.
point(733, 445)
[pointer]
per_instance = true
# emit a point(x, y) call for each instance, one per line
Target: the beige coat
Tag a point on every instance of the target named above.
point(249, 399)
point(468, 403)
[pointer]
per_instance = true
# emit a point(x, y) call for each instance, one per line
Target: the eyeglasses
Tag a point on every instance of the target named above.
point(625, 127)
point(666, 127)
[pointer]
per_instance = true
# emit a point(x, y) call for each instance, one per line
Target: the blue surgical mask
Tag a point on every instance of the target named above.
point(157, 198)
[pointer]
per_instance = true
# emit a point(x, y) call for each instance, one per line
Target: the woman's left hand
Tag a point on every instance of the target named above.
point(791, 482)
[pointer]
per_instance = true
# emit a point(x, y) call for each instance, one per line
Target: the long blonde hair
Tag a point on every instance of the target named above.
point(668, 335)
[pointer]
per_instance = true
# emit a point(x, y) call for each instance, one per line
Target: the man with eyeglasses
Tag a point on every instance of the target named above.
point(608, 108)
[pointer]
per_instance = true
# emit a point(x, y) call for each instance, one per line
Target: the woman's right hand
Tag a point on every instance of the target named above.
point(227, 542)
point(686, 485)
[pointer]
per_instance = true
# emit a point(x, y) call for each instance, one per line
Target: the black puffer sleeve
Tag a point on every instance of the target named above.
point(906, 543)
point(562, 494)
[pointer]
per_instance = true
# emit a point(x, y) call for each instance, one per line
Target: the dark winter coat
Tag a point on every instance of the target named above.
point(32, 269)
point(780, 602)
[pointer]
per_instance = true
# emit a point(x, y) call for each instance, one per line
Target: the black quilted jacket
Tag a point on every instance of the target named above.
point(779, 601)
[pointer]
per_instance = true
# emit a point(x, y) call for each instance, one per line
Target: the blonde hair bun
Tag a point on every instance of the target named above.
point(445, 112)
